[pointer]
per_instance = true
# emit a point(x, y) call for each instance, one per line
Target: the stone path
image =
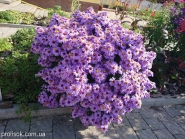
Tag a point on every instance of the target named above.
point(166, 122)
point(6, 32)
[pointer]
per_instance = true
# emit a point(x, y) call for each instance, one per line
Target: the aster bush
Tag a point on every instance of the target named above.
point(93, 64)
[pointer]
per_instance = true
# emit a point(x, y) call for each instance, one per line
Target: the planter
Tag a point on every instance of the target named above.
point(100, 8)
point(105, 6)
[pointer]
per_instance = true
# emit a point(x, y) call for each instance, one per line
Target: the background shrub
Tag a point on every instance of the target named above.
point(18, 68)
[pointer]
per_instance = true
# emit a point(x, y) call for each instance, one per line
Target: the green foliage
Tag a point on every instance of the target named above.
point(175, 36)
point(17, 71)
point(5, 45)
point(23, 39)
point(15, 17)
point(179, 48)
point(57, 10)
point(154, 32)
point(162, 40)
point(121, 8)
point(158, 40)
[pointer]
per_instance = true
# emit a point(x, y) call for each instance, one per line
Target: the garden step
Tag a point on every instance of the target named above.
point(6, 1)
point(8, 6)
point(24, 8)
point(37, 13)
point(17, 7)
point(46, 13)
point(41, 13)
point(31, 9)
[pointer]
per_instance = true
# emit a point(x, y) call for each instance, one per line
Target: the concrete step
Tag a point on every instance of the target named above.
point(2, 5)
point(17, 7)
point(24, 8)
point(8, 6)
point(31, 9)
point(40, 13)
point(6, 1)
point(46, 13)
point(37, 13)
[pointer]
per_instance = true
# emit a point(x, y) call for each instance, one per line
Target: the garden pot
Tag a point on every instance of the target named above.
point(100, 8)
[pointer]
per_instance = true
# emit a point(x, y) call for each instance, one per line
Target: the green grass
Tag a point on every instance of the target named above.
point(15, 17)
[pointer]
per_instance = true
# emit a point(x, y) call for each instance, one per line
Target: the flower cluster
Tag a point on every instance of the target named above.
point(93, 64)
point(178, 20)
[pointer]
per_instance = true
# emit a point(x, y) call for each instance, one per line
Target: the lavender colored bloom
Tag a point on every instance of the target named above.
point(91, 63)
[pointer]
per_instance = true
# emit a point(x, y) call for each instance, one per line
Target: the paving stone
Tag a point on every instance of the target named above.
point(146, 112)
point(124, 123)
point(179, 119)
point(110, 134)
point(154, 124)
point(63, 127)
point(138, 124)
point(172, 111)
point(41, 124)
point(146, 134)
point(173, 127)
point(126, 132)
point(17, 125)
point(182, 125)
point(2, 125)
point(181, 108)
point(180, 136)
point(135, 110)
point(163, 134)
point(133, 115)
point(82, 131)
point(160, 113)
point(157, 112)
point(42, 135)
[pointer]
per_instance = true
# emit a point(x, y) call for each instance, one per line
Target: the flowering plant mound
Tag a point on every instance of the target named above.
point(93, 64)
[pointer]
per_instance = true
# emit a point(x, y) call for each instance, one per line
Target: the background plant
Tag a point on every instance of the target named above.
point(165, 39)
point(177, 30)
point(15, 17)
point(5, 45)
point(17, 70)
point(57, 10)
